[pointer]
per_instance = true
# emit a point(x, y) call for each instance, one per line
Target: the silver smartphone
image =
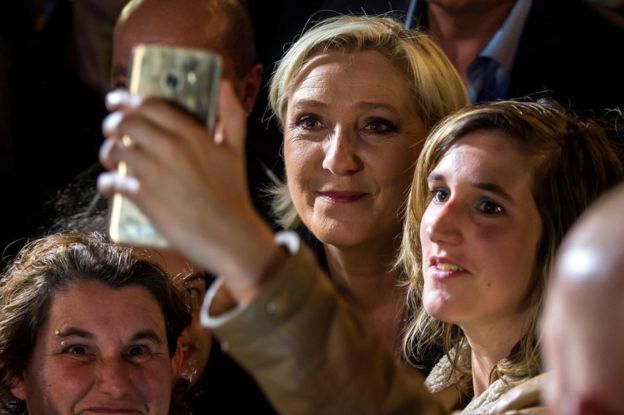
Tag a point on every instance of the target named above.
point(190, 79)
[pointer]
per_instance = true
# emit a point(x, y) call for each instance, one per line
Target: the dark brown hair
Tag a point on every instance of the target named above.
point(55, 262)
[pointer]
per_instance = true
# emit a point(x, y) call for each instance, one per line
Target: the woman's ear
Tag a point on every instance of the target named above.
point(251, 84)
point(18, 389)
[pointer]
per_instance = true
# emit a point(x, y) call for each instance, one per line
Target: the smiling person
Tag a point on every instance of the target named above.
point(224, 27)
point(497, 187)
point(356, 97)
point(285, 322)
point(87, 327)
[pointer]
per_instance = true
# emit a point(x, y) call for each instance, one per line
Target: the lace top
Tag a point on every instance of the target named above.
point(443, 376)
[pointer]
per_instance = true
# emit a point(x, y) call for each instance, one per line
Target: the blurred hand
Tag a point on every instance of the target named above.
point(524, 398)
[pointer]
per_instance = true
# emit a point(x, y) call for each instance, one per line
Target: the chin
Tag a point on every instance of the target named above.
point(337, 234)
point(438, 307)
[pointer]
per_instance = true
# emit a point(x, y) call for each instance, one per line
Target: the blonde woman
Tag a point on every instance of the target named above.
point(356, 97)
point(273, 308)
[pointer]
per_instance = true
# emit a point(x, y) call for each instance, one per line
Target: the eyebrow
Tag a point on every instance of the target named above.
point(147, 334)
point(193, 277)
point(364, 104)
point(490, 187)
point(74, 331)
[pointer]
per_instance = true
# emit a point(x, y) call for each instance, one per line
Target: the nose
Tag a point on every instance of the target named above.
point(442, 223)
point(113, 377)
point(341, 154)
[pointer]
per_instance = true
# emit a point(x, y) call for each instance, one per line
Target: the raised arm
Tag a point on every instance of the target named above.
point(284, 323)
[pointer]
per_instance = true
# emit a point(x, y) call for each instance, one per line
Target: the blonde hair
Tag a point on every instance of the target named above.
point(574, 163)
point(435, 85)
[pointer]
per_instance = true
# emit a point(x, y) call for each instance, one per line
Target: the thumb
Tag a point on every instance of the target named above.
point(233, 119)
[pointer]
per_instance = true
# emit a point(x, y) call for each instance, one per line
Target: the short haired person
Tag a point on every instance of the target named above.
point(222, 26)
point(87, 326)
point(584, 313)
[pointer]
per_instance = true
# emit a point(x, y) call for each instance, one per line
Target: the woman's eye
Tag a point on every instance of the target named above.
point(308, 122)
point(195, 297)
point(379, 126)
point(489, 207)
point(138, 352)
point(440, 195)
point(193, 293)
point(78, 351)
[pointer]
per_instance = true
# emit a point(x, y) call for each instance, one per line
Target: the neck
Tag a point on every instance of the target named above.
point(365, 277)
point(491, 342)
point(463, 31)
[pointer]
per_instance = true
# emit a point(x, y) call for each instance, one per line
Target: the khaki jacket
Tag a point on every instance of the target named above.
point(308, 350)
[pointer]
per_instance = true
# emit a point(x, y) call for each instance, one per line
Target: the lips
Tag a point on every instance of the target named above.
point(339, 196)
point(111, 410)
point(443, 268)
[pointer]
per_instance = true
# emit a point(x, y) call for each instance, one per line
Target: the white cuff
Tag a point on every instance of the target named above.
point(287, 239)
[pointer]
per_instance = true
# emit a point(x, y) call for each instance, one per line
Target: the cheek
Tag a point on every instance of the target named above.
point(425, 222)
point(509, 260)
point(393, 164)
point(199, 334)
point(301, 155)
point(153, 381)
point(301, 162)
point(66, 380)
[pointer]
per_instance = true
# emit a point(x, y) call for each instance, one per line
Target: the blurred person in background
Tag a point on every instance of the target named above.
point(584, 315)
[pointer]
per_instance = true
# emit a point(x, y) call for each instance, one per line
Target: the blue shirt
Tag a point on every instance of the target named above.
point(489, 74)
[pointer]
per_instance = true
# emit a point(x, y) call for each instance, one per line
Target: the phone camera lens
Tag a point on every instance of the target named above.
point(172, 80)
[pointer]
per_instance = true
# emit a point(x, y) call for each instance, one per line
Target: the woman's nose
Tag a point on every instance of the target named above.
point(443, 223)
point(113, 377)
point(341, 153)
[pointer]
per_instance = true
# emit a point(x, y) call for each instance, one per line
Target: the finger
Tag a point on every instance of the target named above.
point(540, 410)
point(138, 163)
point(105, 156)
point(157, 110)
point(233, 117)
point(109, 183)
point(122, 98)
point(141, 132)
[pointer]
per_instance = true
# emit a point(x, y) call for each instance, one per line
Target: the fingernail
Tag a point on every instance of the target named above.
point(129, 184)
point(105, 182)
point(110, 182)
point(116, 97)
point(111, 122)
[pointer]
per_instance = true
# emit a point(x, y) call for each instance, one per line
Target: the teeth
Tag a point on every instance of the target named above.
point(449, 267)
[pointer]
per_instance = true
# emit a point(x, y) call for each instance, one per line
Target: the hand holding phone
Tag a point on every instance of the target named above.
point(188, 78)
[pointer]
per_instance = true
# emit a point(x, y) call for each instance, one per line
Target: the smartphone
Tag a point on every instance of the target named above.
point(187, 77)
